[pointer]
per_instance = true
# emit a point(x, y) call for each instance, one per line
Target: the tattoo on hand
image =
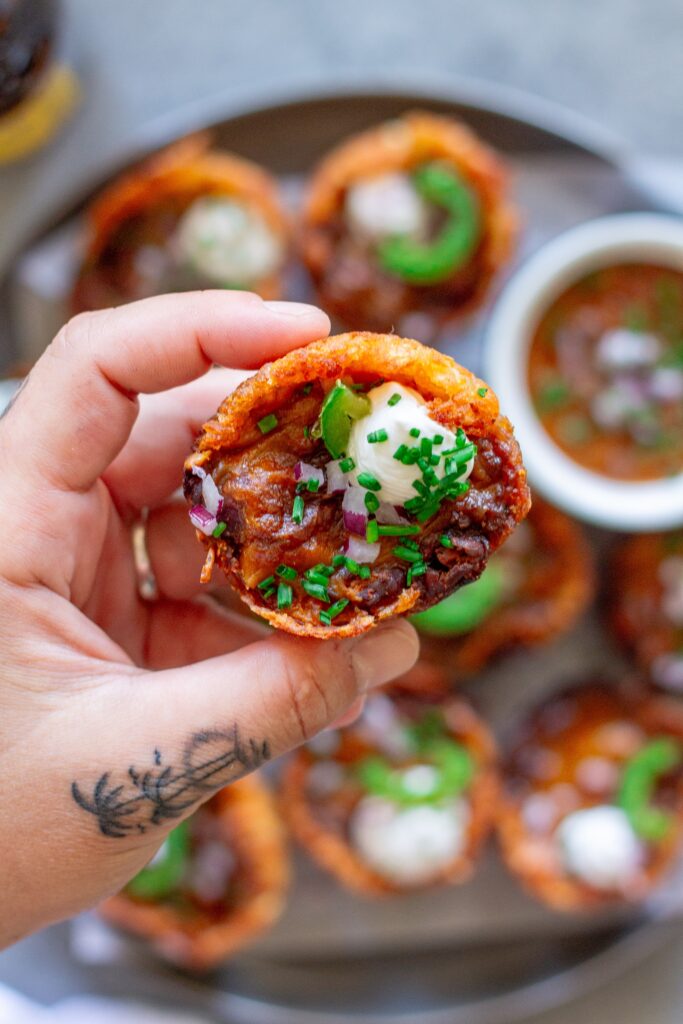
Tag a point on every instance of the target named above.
point(210, 761)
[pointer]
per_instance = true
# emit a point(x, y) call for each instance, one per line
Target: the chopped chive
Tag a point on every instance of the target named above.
point(318, 578)
point(425, 447)
point(370, 482)
point(352, 566)
point(372, 531)
point(267, 423)
point(415, 570)
point(445, 541)
point(430, 477)
point(220, 529)
point(414, 432)
point(330, 613)
point(427, 511)
point(316, 590)
point(265, 594)
point(411, 457)
point(306, 389)
point(482, 392)
point(307, 432)
point(347, 464)
point(395, 399)
point(284, 595)
point(371, 501)
point(437, 439)
point(313, 485)
point(298, 509)
point(410, 543)
point(326, 570)
point(400, 452)
point(269, 581)
point(364, 572)
point(398, 530)
point(338, 561)
point(407, 554)
point(460, 438)
point(412, 504)
point(420, 487)
point(434, 460)
point(286, 572)
point(376, 436)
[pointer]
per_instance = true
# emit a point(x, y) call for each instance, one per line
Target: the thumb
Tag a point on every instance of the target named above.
point(174, 737)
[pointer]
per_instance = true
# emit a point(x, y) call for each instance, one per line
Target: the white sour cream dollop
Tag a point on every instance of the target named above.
point(226, 242)
point(598, 846)
point(398, 420)
point(385, 205)
point(408, 846)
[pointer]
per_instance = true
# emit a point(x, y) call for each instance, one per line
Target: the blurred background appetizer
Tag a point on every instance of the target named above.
point(606, 371)
point(361, 477)
point(646, 592)
point(402, 799)
point(532, 590)
point(592, 805)
point(187, 218)
point(410, 216)
point(217, 882)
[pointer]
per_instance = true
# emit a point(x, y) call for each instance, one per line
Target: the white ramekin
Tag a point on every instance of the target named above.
point(623, 238)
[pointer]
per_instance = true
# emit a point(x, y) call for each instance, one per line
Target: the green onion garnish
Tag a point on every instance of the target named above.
point(400, 452)
point(398, 531)
point(286, 572)
point(370, 482)
point(425, 447)
point(307, 432)
point(269, 581)
point(298, 509)
point(313, 485)
point(482, 392)
point(330, 613)
point(418, 569)
point(412, 504)
point(267, 423)
point(338, 561)
point(460, 437)
point(445, 541)
point(437, 439)
point(376, 436)
point(414, 432)
point(371, 501)
point(407, 554)
point(318, 578)
point(316, 590)
point(265, 594)
point(284, 595)
point(347, 464)
point(221, 528)
point(395, 399)
point(372, 532)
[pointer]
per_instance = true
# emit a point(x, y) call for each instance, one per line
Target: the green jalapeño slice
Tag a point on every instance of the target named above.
point(641, 774)
point(466, 608)
point(340, 408)
point(429, 263)
point(163, 874)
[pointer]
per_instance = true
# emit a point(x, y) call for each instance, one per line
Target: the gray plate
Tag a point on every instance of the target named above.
point(480, 954)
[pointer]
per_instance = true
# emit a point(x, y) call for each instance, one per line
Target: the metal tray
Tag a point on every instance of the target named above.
point(480, 954)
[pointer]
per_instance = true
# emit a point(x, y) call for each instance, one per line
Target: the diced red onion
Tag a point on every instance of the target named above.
point(211, 495)
point(203, 520)
point(304, 471)
point(336, 480)
point(360, 551)
point(198, 471)
point(354, 511)
point(387, 513)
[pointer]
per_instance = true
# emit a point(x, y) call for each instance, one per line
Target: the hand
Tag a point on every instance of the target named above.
point(118, 717)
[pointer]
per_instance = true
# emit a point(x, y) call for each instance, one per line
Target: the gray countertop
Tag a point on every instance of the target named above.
point(617, 62)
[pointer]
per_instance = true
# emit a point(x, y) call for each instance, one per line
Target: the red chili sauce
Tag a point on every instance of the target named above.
point(606, 371)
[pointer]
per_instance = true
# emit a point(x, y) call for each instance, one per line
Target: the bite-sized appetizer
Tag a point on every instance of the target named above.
point(647, 604)
point(409, 216)
point(401, 800)
point(531, 591)
point(606, 371)
point(359, 478)
point(217, 882)
point(187, 218)
point(592, 807)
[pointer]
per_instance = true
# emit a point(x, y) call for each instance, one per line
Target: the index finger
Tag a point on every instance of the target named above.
point(80, 403)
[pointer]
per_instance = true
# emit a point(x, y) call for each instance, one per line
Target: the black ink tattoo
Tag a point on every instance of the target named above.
point(210, 760)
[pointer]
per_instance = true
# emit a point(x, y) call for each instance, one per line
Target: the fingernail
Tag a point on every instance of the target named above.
point(384, 653)
point(295, 309)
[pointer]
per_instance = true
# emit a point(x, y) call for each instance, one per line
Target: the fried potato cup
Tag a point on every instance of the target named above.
point(272, 533)
point(647, 605)
point(345, 258)
point(199, 934)
point(542, 581)
point(591, 813)
point(321, 791)
point(151, 230)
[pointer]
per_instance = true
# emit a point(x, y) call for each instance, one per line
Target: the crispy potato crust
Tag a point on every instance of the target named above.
point(452, 394)
point(181, 173)
point(401, 145)
point(199, 941)
point(548, 604)
point(531, 858)
point(332, 851)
